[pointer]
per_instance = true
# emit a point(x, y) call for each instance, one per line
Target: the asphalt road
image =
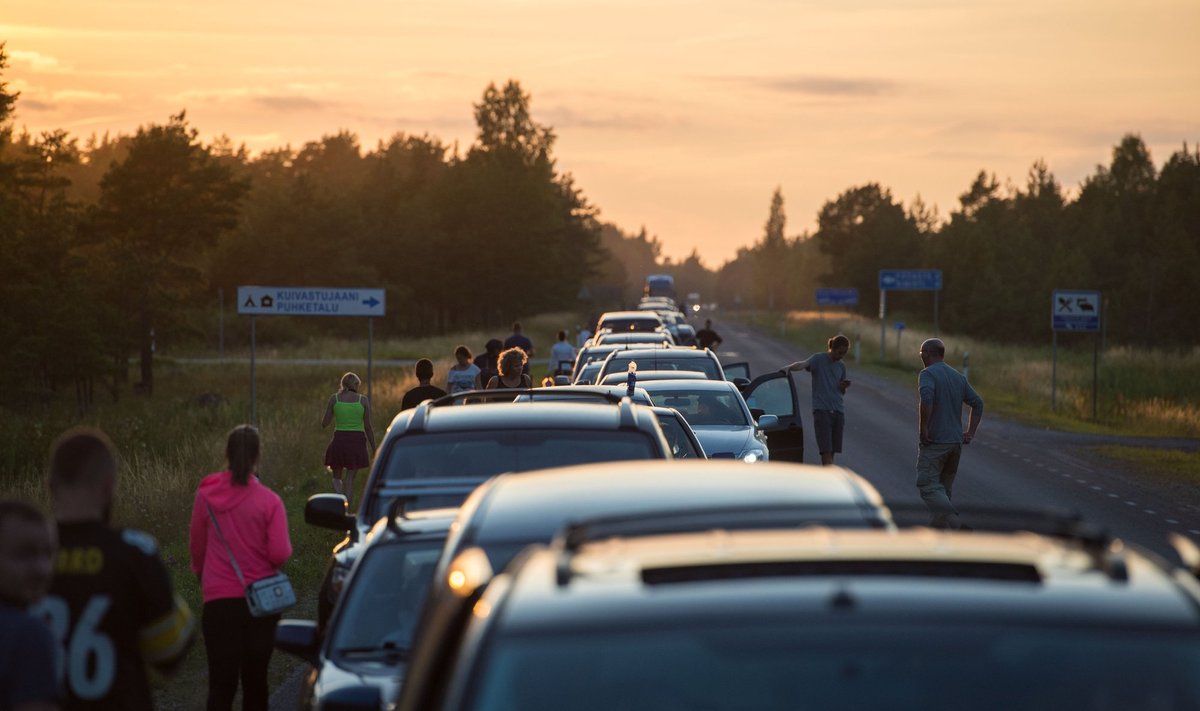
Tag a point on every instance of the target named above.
point(1007, 464)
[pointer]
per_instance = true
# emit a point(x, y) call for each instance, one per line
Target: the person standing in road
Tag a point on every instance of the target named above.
point(562, 355)
point(582, 338)
point(28, 659)
point(463, 375)
point(111, 604)
point(707, 337)
point(519, 340)
point(943, 390)
point(829, 385)
point(352, 433)
point(236, 516)
point(487, 360)
point(423, 391)
point(511, 376)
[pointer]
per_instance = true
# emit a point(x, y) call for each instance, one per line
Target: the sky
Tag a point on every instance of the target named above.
point(682, 116)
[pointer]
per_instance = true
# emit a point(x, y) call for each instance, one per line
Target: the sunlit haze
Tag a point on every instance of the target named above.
point(680, 115)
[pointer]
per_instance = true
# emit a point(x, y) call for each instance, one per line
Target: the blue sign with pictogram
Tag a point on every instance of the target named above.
point(1077, 311)
point(309, 301)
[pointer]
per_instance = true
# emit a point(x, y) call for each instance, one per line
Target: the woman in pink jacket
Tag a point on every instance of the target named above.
point(254, 524)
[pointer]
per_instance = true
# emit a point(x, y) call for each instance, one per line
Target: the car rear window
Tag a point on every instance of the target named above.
point(703, 408)
point(620, 363)
point(728, 665)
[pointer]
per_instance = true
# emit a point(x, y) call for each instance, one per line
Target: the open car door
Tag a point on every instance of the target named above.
point(775, 394)
point(736, 370)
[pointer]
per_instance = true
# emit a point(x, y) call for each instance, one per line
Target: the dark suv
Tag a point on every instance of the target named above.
point(439, 454)
point(823, 618)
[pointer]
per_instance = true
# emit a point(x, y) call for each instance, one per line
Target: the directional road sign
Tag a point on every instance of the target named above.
point(837, 297)
point(1075, 311)
point(309, 301)
point(910, 279)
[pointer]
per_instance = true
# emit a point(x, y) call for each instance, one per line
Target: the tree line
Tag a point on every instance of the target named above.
point(122, 243)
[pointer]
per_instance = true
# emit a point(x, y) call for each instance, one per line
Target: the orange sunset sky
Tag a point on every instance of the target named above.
point(683, 116)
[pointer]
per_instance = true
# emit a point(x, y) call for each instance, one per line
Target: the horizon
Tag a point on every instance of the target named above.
point(682, 118)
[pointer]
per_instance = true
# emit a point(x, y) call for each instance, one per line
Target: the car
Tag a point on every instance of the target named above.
point(597, 354)
point(629, 321)
point(586, 373)
point(439, 453)
point(369, 634)
point(817, 617)
point(704, 361)
point(663, 337)
point(718, 414)
point(684, 334)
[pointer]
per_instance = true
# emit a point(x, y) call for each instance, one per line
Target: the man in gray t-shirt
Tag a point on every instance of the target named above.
point(829, 384)
point(943, 391)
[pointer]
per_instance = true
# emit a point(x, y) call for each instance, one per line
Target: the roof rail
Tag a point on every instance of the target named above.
point(628, 418)
point(416, 423)
point(398, 509)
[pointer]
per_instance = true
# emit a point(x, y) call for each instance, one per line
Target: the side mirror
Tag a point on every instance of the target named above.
point(329, 511)
point(741, 383)
point(766, 422)
point(353, 698)
point(298, 638)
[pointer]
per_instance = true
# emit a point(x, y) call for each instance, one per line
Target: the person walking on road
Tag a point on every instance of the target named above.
point(424, 391)
point(237, 518)
point(829, 385)
point(517, 339)
point(707, 337)
point(352, 433)
point(110, 585)
point(562, 355)
point(28, 658)
point(943, 391)
point(487, 360)
point(512, 361)
point(463, 375)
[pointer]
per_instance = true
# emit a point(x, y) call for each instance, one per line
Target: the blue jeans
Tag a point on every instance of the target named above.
point(937, 464)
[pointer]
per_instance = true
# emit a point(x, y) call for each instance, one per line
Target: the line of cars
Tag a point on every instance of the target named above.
point(611, 546)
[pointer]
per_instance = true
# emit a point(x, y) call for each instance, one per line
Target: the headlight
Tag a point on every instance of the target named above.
point(753, 455)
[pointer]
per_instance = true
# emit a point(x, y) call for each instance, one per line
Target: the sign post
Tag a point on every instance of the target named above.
point(254, 301)
point(1078, 312)
point(906, 280)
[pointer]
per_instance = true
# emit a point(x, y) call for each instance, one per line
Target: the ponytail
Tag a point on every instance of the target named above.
point(241, 451)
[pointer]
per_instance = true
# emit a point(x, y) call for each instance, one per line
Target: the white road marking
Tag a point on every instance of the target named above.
point(1113, 496)
point(1131, 503)
point(1149, 511)
point(1097, 488)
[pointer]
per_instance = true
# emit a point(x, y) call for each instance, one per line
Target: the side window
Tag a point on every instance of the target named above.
point(773, 397)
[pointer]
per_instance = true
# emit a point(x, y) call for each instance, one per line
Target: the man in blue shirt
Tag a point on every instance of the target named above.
point(943, 391)
point(829, 384)
point(519, 340)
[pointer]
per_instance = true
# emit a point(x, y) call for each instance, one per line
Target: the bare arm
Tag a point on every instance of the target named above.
point(367, 423)
point(328, 412)
point(973, 424)
point(798, 365)
point(926, 412)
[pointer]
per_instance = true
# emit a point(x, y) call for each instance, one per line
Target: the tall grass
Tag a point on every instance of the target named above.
point(1141, 391)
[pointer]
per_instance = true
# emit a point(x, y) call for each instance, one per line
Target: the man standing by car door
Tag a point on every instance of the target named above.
point(829, 384)
point(943, 391)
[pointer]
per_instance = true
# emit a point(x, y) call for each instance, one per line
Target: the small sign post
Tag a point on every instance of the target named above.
point(256, 301)
point(1078, 312)
point(906, 280)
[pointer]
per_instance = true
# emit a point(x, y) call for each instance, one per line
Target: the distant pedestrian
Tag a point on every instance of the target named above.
point(517, 339)
point(463, 375)
point(423, 390)
point(28, 658)
point(487, 361)
point(348, 451)
point(829, 384)
point(707, 337)
point(511, 363)
point(236, 516)
point(109, 584)
point(584, 334)
point(562, 355)
point(943, 391)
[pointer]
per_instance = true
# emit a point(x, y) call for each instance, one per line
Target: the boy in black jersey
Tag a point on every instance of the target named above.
point(111, 605)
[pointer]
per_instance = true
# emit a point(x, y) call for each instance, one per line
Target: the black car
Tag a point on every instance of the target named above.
point(823, 618)
point(366, 641)
point(439, 454)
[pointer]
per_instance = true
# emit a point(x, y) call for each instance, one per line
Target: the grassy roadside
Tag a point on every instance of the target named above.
point(1171, 466)
point(168, 442)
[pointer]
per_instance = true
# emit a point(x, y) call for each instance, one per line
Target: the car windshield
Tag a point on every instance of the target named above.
point(790, 666)
point(681, 444)
point(620, 363)
point(704, 408)
point(381, 602)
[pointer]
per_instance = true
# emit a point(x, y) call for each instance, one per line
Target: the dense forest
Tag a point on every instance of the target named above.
point(122, 243)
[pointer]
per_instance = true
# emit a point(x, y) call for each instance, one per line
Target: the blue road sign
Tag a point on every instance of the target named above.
point(837, 297)
point(308, 301)
point(910, 279)
point(1075, 311)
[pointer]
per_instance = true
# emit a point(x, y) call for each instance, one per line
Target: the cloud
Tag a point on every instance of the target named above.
point(37, 61)
point(246, 95)
point(564, 117)
point(817, 86)
point(81, 96)
point(289, 103)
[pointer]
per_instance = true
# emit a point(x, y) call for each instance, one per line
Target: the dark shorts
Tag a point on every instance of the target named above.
point(827, 427)
point(347, 450)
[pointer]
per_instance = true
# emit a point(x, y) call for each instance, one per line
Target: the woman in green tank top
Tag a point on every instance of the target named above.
point(347, 451)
